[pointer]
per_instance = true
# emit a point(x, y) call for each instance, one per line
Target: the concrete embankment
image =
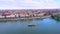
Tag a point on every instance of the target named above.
point(4, 19)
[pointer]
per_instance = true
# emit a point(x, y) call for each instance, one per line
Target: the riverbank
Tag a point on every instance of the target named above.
point(11, 19)
point(56, 17)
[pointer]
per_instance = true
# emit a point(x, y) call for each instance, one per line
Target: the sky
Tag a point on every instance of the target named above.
point(29, 4)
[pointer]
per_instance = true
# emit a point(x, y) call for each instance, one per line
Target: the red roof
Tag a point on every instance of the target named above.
point(7, 14)
point(20, 12)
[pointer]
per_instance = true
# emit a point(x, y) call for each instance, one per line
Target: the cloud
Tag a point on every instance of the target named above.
point(28, 4)
point(7, 0)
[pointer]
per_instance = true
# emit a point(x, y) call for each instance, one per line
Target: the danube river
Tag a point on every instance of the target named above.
point(42, 26)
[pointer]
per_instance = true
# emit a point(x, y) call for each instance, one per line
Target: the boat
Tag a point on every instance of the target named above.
point(31, 25)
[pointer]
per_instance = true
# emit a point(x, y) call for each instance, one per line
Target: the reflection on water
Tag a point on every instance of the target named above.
point(37, 26)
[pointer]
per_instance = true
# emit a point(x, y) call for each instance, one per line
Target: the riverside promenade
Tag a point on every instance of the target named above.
point(12, 19)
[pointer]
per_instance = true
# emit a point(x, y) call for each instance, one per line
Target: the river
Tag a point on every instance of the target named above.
point(42, 26)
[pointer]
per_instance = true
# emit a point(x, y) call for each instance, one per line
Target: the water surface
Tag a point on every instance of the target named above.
point(42, 26)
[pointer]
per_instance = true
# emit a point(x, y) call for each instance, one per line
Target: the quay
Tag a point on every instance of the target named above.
point(9, 19)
